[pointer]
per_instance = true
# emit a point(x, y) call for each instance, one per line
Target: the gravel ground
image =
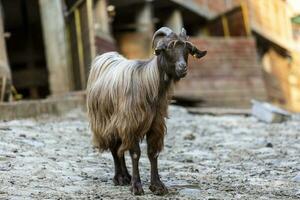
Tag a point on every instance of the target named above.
point(205, 157)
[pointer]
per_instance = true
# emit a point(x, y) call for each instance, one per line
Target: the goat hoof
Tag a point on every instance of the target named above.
point(158, 188)
point(121, 179)
point(137, 188)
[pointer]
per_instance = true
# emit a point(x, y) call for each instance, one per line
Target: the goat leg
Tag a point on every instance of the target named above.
point(136, 185)
point(125, 173)
point(122, 176)
point(156, 186)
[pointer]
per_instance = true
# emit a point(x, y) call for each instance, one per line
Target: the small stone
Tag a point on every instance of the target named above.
point(189, 136)
point(189, 160)
point(53, 158)
point(5, 129)
point(22, 135)
point(269, 145)
point(103, 179)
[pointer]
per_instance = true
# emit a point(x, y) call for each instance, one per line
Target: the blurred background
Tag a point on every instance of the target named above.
point(46, 46)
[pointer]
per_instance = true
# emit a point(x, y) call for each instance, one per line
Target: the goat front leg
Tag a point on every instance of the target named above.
point(154, 146)
point(136, 185)
point(122, 177)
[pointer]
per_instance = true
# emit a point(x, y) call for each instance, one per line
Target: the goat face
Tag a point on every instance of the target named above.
point(175, 50)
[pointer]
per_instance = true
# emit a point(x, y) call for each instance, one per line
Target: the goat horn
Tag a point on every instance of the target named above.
point(163, 31)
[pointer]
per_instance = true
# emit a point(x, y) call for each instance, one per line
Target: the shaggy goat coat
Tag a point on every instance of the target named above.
point(126, 100)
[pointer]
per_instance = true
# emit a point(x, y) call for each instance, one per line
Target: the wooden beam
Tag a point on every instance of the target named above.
point(80, 48)
point(225, 26)
point(246, 18)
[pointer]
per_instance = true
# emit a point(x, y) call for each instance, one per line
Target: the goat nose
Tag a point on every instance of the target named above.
point(182, 66)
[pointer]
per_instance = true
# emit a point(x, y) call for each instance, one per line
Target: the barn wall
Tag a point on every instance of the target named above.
point(229, 75)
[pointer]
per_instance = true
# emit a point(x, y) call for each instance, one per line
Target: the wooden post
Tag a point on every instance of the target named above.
point(80, 48)
point(55, 39)
point(5, 73)
point(101, 20)
point(145, 26)
point(175, 21)
point(144, 19)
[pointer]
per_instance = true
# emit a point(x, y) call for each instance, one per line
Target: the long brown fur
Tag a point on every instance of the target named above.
point(126, 99)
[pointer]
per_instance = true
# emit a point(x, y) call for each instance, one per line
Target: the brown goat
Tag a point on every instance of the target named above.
point(128, 100)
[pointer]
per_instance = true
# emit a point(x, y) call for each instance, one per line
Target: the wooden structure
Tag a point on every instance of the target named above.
point(51, 44)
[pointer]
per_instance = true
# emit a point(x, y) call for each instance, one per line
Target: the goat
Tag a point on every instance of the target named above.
point(128, 100)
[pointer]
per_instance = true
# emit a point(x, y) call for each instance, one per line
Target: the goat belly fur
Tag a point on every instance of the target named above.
point(123, 99)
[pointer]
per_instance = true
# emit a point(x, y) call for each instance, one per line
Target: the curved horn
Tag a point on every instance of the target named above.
point(163, 31)
point(183, 34)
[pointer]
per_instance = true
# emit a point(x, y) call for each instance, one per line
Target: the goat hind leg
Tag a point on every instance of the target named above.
point(136, 185)
point(122, 176)
point(125, 173)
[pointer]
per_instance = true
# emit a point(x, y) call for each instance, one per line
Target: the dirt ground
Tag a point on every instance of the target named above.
point(205, 157)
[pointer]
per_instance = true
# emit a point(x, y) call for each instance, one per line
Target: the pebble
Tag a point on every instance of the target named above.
point(269, 145)
point(189, 136)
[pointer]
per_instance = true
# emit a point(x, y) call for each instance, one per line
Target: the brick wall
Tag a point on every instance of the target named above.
point(229, 75)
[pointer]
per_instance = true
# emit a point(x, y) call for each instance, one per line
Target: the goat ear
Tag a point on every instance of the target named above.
point(194, 51)
point(198, 53)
